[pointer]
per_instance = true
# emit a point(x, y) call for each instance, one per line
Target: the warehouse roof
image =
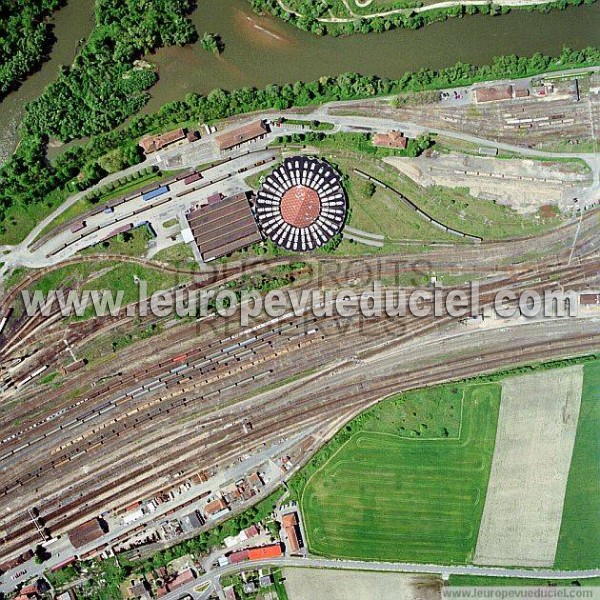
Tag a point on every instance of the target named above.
point(223, 227)
point(492, 94)
point(234, 138)
point(86, 533)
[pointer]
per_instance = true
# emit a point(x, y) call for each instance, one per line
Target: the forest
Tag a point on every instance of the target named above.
point(25, 39)
point(105, 84)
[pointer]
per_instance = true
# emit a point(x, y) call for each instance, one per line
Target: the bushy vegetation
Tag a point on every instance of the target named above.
point(99, 91)
point(358, 142)
point(102, 87)
point(212, 43)
point(27, 179)
point(310, 12)
point(25, 37)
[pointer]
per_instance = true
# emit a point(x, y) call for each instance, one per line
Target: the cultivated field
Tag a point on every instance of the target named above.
point(579, 540)
point(536, 432)
point(410, 484)
point(303, 584)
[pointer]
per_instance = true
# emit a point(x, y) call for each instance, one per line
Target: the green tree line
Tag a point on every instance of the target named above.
point(27, 178)
point(310, 12)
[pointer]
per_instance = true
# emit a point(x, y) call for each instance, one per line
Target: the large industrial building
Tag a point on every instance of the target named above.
point(301, 204)
point(223, 226)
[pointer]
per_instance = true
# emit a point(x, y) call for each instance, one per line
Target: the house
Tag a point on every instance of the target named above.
point(265, 581)
point(255, 480)
point(290, 523)
point(139, 589)
point(154, 143)
point(493, 94)
point(237, 557)
point(182, 579)
point(237, 137)
point(251, 531)
point(249, 588)
point(265, 552)
point(392, 139)
point(214, 507)
point(230, 593)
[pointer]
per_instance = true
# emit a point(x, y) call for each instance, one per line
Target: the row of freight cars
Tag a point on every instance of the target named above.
point(148, 192)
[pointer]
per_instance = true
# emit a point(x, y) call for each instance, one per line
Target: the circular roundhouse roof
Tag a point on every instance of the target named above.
point(301, 204)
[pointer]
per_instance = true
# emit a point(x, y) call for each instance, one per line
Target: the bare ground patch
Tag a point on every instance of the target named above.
point(523, 184)
point(534, 443)
point(333, 584)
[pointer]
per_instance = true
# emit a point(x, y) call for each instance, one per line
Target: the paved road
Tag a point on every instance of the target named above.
point(357, 565)
point(62, 549)
point(205, 150)
point(408, 11)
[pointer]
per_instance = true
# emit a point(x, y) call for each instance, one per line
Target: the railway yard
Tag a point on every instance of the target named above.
point(90, 427)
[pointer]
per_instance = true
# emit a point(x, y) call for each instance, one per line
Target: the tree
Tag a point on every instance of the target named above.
point(41, 554)
point(212, 43)
point(369, 189)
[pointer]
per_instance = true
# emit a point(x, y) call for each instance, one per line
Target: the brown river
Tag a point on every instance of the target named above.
point(262, 50)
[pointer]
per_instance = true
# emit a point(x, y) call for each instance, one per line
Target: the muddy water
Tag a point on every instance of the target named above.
point(262, 50)
point(71, 23)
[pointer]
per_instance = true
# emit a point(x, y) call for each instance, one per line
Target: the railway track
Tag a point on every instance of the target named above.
point(577, 270)
point(145, 401)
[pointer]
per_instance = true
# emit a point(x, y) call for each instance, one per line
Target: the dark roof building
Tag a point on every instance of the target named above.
point(241, 135)
point(223, 227)
point(191, 522)
point(301, 204)
point(493, 94)
point(86, 533)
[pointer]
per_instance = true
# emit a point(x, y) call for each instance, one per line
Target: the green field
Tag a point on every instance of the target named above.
point(474, 580)
point(408, 482)
point(579, 540)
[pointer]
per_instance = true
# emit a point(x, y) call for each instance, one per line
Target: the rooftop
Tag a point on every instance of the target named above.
point(223, 227)
point(86, 533)
point(234, 138)
point(153, 143)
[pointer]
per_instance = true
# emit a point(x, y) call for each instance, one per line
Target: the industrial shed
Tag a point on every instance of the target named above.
point(86, 533)
point(223, 227)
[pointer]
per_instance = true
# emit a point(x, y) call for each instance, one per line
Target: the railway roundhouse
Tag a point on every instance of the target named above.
point(302, 204)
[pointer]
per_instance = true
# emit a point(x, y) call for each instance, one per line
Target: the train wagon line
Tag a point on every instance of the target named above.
point(98, 227)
